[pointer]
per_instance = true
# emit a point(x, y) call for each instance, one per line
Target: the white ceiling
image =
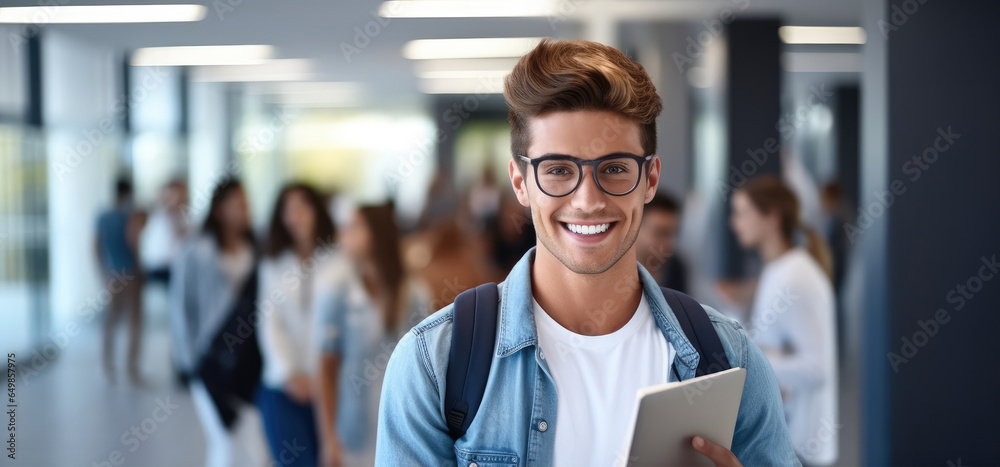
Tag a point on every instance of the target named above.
point(316, 29)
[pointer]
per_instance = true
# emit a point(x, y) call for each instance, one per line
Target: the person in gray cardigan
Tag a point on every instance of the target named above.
point(207, 278)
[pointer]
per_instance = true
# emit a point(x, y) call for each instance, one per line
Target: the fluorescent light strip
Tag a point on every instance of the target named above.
point(482, 65)
point(822, 35)
point(99, 14)
point(450, 74)
point(489, 47)
point(203, 55)
point(466, 9)
point(461, 86)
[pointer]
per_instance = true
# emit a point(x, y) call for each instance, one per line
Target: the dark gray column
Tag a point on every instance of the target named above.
point(753, 105)
point(943, 218)
point(847, 113)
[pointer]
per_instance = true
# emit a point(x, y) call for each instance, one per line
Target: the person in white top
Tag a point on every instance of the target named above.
point(792, 318)
point(298, 265)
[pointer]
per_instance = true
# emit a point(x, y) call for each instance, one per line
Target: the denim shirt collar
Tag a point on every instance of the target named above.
point(517, 320)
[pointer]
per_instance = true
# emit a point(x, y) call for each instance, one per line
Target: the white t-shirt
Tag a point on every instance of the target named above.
point(596, 380)
point(792, 321)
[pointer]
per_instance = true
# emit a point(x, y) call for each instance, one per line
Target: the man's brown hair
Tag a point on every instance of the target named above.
point(563, 75)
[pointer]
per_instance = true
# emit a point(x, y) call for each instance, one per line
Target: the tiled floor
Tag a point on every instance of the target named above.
point(70, 415)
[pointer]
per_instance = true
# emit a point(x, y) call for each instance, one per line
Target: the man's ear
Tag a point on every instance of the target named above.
point(519, 184)
point(653, 180)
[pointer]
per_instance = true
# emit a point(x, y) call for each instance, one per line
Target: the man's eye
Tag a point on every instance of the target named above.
point(615, 170)
point(558, 171)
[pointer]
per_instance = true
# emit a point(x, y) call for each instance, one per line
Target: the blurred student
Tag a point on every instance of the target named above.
point(656, 242)
point(211, 280)
point(374, 304)
point(165, 232)
point(792, 316)
point(117, 243)
point(297, 262)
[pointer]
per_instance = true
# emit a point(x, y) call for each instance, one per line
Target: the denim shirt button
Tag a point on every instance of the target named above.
point(473, 464)
point(542, 426)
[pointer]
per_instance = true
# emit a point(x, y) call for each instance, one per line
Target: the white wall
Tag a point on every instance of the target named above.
point(82, 136)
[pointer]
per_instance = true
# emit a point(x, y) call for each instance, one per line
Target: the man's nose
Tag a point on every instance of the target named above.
point(588, 196)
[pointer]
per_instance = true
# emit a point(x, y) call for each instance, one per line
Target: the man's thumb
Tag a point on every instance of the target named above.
point(718, 454)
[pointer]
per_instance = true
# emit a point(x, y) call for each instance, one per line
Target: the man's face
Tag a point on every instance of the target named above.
point(588, 135)
point(656, 237)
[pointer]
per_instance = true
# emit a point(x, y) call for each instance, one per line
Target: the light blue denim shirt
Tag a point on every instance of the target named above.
point(516, 423)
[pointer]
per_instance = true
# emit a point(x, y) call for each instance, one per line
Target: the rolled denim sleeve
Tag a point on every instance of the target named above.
point(411, 426)
point(761, 436)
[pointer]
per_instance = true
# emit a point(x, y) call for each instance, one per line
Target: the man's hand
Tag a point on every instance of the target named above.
point(721, 456)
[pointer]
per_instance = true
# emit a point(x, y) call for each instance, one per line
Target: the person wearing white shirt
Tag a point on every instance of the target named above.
point(298, 265)
point(792, 318)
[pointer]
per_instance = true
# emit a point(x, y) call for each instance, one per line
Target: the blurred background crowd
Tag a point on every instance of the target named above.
point(217, 219)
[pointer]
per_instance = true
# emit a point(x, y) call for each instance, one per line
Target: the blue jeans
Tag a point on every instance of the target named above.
point(290, 428)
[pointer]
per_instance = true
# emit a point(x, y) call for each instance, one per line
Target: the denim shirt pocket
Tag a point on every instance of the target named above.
point(484, 458)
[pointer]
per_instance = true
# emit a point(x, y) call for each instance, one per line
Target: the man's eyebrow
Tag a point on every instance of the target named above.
point(619, 153)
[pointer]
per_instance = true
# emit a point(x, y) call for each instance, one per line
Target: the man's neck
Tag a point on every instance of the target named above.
point(588, 304)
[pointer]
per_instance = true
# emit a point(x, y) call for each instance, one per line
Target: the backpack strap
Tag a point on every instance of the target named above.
point(474, 326)
point(698, 328)
point(473, 338)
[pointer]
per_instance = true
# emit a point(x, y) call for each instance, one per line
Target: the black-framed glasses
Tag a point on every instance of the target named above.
point(558, 175)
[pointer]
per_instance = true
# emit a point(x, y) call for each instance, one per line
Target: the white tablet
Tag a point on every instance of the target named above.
point(668, 415)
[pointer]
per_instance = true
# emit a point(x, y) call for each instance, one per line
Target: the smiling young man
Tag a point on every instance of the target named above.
point(581, 325)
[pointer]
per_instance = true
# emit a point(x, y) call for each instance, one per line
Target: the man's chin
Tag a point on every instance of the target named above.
point(587, 263)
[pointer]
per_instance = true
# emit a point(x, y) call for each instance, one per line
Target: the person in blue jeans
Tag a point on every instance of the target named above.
point(298, 264)
point(581, 325)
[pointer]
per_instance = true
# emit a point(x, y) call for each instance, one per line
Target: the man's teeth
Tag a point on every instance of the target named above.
point(588, 229)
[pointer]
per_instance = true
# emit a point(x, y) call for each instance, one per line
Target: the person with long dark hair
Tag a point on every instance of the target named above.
point(210, 279)
point(792, 317)
point(375, 303)
point(298, 256)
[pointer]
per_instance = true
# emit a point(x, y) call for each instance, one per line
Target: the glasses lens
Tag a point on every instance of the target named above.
point(557, 177)
point(618, 176)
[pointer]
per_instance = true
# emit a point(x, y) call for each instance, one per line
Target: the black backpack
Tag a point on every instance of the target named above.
point(474, 335)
